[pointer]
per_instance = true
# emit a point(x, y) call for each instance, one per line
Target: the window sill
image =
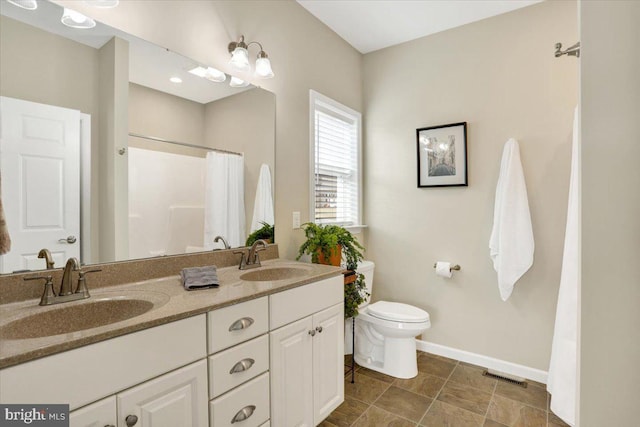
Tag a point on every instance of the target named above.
point(356, 229)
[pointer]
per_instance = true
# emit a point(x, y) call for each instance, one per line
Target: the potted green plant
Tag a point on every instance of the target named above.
point(328, 244)
point(266, 232)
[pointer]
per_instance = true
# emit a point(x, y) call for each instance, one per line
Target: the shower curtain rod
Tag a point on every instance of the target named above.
point(184, 144)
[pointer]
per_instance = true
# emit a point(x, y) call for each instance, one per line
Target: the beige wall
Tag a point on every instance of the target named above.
point(500, 76)
point(159, 114)
point(610, 102)
point(305, 54)
point(245, 123)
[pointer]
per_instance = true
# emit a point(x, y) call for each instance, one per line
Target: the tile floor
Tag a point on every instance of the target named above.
point(445, 393)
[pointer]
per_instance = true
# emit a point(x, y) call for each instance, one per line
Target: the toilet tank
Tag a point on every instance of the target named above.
point(366, 267)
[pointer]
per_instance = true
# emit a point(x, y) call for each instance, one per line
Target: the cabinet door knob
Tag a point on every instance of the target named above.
point(240, 324)
point(312, 332)
point(131, 420)
point(243, 414)
point(242, 365)
point(319, 329)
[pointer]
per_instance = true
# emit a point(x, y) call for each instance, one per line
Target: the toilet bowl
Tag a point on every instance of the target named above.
point(385, 333)
point(385, 338)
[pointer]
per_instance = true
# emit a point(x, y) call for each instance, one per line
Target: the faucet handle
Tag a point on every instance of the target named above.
point(48, 294)
point(243, 259)
point(82, 282)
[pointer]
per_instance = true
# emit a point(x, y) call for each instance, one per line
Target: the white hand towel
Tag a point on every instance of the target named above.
point(562, 379)
point(511, 244)
point(263, 205)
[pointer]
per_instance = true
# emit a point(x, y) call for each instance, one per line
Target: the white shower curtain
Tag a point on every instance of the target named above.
point(224, 213)
point(263, 205)
point(561, 382)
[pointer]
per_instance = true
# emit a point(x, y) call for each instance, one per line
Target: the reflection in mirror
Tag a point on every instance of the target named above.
point(110, 149)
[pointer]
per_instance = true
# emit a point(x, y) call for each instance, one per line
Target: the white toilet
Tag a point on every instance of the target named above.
point(385, 338)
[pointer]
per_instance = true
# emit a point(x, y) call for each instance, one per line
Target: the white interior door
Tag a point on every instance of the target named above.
point(40, 167)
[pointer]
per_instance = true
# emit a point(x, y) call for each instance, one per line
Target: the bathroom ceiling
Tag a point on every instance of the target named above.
point(370, 25)
point(149, 65)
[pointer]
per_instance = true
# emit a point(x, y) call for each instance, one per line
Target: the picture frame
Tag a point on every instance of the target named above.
point(442, 155)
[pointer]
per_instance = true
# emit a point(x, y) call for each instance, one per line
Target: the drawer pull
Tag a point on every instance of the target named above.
point(312, 332)
point(243, 414)
point(240, 324)
point(131, 420)
point(242, 365)
point(319, 329)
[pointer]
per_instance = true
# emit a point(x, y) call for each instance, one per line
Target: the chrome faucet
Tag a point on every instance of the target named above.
point(46, 254)
point(65, 294)
point(218, 238)
point(252, 259)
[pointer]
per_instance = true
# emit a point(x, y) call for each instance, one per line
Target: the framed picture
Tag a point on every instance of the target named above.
point(442, 155)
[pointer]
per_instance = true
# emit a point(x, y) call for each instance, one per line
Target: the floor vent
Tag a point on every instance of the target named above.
point(503, 377)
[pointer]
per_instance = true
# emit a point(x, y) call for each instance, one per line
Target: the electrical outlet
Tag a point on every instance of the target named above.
point(296, 220)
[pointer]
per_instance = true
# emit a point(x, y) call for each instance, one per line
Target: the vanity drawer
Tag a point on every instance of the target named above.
point(252, 398)
point(237, 365)
point(238, 323)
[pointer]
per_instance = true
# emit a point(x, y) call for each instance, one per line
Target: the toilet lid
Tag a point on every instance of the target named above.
point(397, 311)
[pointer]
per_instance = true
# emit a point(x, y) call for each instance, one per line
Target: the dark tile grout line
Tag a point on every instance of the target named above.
point(441, 388)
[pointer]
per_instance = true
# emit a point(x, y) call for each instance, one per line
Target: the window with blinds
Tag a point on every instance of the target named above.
point(335, 162)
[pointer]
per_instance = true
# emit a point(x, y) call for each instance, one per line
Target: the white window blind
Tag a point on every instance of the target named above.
point(335, 162)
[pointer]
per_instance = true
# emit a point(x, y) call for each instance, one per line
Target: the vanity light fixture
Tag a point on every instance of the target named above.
point(103, 4)
point(25, 4)
point(236, 82)
point(209, 73)
point(240, 59)
point(74, 19)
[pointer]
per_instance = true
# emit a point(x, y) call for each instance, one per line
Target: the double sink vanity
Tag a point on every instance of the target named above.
point(265, 348)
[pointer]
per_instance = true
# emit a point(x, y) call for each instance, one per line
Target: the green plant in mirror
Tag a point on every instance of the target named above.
point(325, 239)
point(266, 232)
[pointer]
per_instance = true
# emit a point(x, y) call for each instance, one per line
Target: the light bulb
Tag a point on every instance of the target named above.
point(25, 4)
point(240, 60)
point(236, 82)
point(74, 19)
point(263, 68)
point(215, 75)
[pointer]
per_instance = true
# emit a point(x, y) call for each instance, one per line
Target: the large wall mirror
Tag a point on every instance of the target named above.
point(113, 148)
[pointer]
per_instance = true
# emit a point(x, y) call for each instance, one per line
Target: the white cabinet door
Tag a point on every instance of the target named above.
point(178, 398)
point(291, 375)
point(328, 360)
point(99, 414)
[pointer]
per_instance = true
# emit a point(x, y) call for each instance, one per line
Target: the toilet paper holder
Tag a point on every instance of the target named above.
point(453, 267)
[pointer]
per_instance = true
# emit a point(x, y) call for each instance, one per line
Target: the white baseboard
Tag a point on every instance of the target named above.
point(484, 361)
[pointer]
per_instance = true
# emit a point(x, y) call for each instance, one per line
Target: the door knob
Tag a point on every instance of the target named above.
point(71, 240)
point(131, 420)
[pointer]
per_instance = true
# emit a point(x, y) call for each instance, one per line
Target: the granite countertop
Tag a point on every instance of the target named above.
point(171, 302)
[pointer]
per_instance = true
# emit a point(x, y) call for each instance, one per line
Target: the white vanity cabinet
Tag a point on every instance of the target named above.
point(307, 353)
point(178, 398)
point(99, 414)
point(238, 368)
